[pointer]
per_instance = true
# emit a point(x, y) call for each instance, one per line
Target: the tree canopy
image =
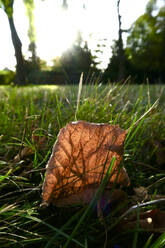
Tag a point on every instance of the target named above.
point(144, 54)
point(7, 6)
point(145, 44)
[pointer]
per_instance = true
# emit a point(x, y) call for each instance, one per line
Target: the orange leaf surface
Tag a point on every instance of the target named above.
point(81, 157)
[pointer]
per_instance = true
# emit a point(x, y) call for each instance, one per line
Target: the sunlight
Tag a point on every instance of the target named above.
point(56, 31)
point(49, 87)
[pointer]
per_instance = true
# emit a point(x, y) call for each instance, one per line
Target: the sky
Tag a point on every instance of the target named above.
point(56, 30)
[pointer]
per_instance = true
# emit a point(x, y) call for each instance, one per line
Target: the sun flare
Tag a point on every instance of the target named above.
point(63, 27)
point(56, 29)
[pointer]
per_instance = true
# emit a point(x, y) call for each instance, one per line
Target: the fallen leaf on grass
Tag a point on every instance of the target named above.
point(113, 197)
point(141, 194)
point(39, 142)
point(25, 152)
point(80, 159)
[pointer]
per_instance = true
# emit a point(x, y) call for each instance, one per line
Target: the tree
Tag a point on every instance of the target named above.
point(29, 5)
point(117, 68)
point(7, 6)
point(64, 5)
point(112, 71)
point(145, 44)
point(120, 54)
point(78, 58)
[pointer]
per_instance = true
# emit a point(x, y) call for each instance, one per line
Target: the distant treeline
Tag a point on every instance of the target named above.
point(142, 57)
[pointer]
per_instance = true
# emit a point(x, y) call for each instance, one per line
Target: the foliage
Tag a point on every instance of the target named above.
point(144, 55)
point(37, 65)
point(112, 69)
point(117, 68)
point(145, 44)
point(6, 77)
point(7, 5)
point(78, 58)
point(29, 4)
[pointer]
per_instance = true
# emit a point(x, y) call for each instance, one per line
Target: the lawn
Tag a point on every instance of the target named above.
point(43, 111)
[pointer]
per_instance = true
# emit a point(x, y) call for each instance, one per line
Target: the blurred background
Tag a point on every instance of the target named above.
point(53, 41)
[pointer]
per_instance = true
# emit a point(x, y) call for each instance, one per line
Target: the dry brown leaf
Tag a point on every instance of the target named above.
point(141, 194)
point(81, 157)
point(25, 152)
point(40, 143)
point(84, 197)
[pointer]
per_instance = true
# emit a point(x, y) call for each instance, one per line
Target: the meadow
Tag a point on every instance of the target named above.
point(43, 111)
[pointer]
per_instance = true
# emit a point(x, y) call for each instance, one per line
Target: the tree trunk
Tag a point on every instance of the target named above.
point(65, 5)
point(20, 70)
point(121, 56)
point(30, 6)
point(32, 49)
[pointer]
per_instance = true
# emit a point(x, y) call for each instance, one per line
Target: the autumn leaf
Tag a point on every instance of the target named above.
point(24, 153)
point(141, 194)
point(80, 159)
point(38, 142)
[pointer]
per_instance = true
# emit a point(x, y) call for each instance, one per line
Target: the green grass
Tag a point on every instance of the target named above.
point(46, 109)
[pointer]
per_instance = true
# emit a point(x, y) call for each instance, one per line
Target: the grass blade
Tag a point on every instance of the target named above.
point(79, 94)
point(53, 228)
point(160, 242)
point(148, 243)
point(134, 124)
point(136, 231)
point(73, 218)
point(95, 199)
